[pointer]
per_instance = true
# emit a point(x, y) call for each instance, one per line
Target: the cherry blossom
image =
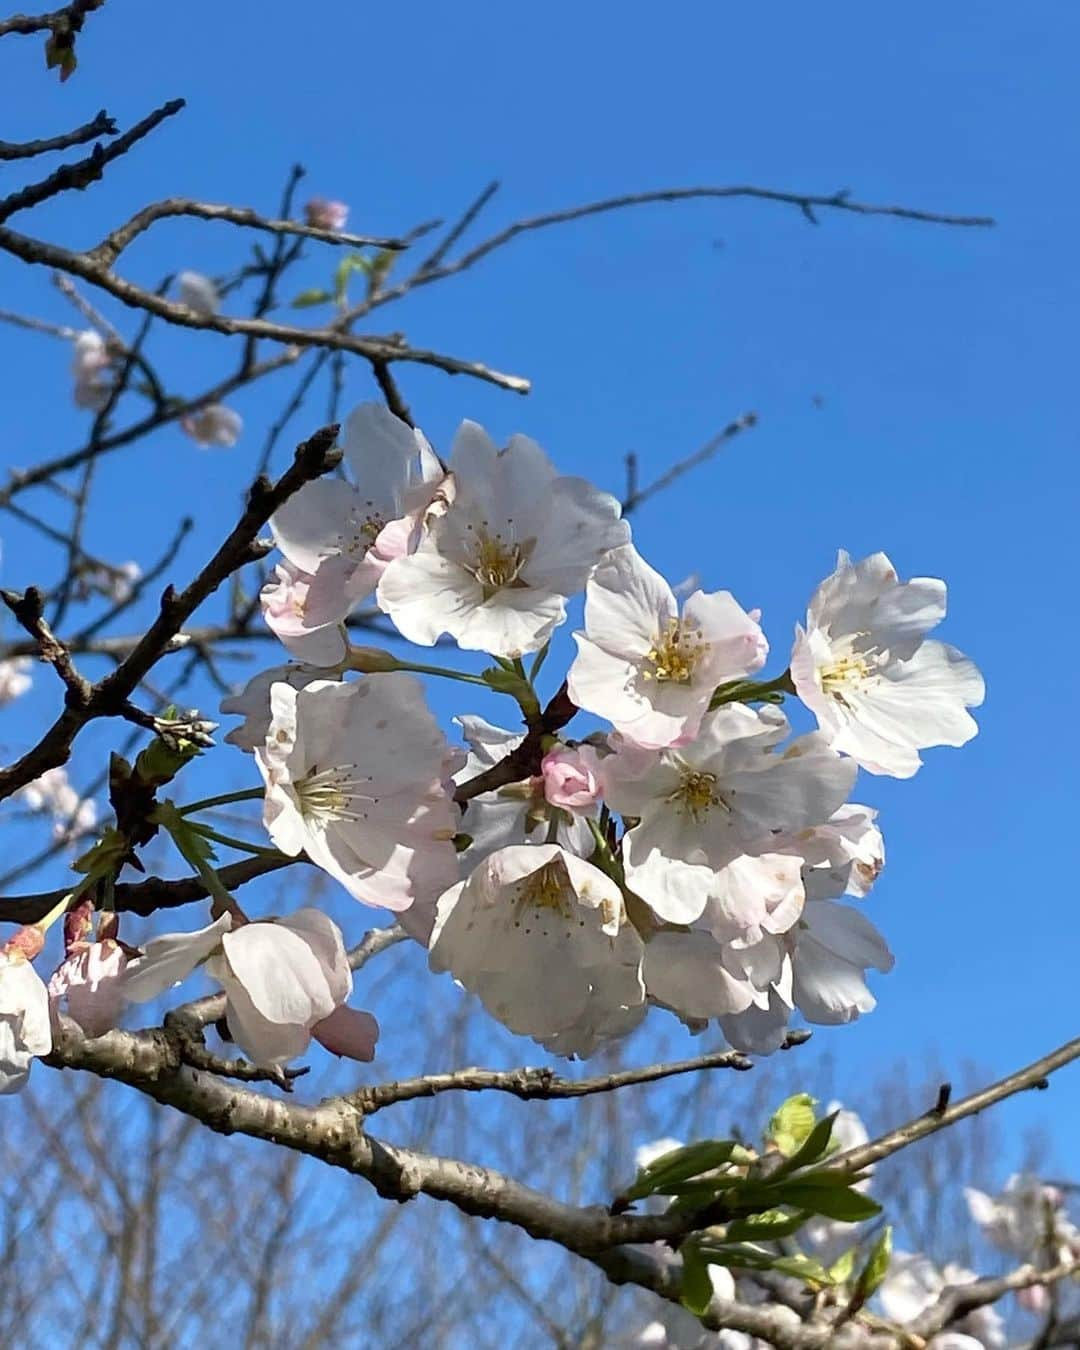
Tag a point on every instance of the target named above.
point(649, 670)
point(89, 984)
point(284, 981)
point(213, 426)
point(312, 637)
point(53, 795)
point(495, 570)
point(199, 293)
point(14, 680)
point(324, 214)
point(516, 813)
point(25, 1026)
point(724, 794)
point(1027, 1219)
point(879, 690)
point(571, 778)
point(914, 1284)
point(354, 778)
point(344, 536)
point(542, 938)
point(252, 703)
point(89, 367)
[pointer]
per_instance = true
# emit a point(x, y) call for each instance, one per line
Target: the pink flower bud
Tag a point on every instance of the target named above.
point(1034, 1299)
point(323, 214)
point(570, 777)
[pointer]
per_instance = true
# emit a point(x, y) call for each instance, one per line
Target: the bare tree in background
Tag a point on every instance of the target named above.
point(147, 1229)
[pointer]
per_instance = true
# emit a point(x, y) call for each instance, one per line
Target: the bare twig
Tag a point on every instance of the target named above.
point(634, 496)
point(101, 125)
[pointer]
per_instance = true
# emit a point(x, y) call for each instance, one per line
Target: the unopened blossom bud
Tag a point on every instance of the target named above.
point(198, 292)
point(1034, 1299)
point(25, 1029)
point(214, 425)
point(324, 214)
point(570, 777)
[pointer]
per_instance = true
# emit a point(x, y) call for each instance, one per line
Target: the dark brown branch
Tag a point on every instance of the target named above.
point(147, 897)
point(634, 496)
point(806, 203)
point(117, 240)
point(83, 172)
point(524, 760)
point(66, 19)
point(543, 1084)
point(389, 349)
point(101, 125)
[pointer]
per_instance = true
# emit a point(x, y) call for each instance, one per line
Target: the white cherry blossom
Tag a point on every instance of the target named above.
point(309, 635)
point(542, 938)
point(199, 293)
point(354, 778)
point(1027, 1219)
point(704, 804)
point(88, 984)
point(285, 981)
point(25, 1026)
point(880, 691)
point(14, 679)
point(649, 670)
point(914, 1284)
point(252, 702)
point(344, 535)
point(90, 367)
point(495, 570)
point(52, 795)
point(282, 981)
point(215, 425)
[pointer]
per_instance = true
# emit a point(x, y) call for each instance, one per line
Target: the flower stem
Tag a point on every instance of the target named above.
point(417, 668)
point(223, 799)
point(231, 842)
point(753, 691)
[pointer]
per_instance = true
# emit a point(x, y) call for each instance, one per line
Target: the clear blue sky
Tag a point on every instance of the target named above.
point(912, 381)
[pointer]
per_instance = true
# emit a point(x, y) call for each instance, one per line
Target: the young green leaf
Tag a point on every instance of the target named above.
point(697, 1288)
point(834, 1202)
point(766, 1227)
point(792, 1123)
point(680, 1164)
point(875, 1270)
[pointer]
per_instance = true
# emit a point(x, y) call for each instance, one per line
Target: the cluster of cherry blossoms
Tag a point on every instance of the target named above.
point(691, 853)
point(695, 855)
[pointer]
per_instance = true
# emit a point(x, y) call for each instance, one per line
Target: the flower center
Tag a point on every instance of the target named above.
point(326, 795)
point(496, 560)
point(545, 889)
point(847, 674)
point(365, 524)
point(696, 794)
point(674, 655)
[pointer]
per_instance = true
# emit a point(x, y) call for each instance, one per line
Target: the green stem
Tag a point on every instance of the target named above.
point(223, 799)
point(417, 668)
point(753, 691)
point(231, 842)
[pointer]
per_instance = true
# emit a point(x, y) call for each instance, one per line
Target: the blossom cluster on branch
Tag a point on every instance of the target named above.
point(695, 855)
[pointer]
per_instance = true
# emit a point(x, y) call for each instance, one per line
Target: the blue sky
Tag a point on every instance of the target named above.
point(912, 381)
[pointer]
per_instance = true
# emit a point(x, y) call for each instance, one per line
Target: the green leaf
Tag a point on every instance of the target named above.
point(747, 1256)
point(813, 1148)
point(308, 299)
point(841, 1268)
point(803, 1268)
point(767, 1227)
point(697, 1290)
point(681, 1164)
point(876, 1268)
point(352, 262)
point(792, 1123)
point(834, 1202)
